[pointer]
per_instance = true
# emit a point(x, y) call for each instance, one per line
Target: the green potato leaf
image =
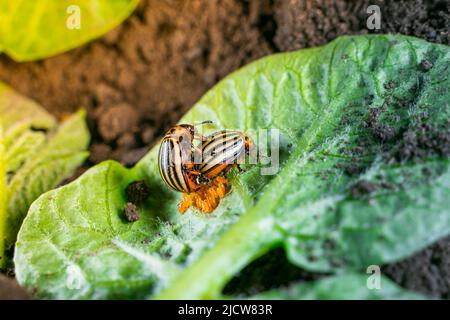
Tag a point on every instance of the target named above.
point(35, 155)
point(362, 178)
point(31, 30)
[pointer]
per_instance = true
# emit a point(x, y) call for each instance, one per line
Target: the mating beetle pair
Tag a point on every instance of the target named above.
point(198, 172)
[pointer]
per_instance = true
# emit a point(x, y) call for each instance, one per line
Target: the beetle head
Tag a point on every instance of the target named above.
point(181, 132)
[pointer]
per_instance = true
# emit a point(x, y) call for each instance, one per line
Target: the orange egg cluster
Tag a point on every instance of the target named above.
point(207, 198)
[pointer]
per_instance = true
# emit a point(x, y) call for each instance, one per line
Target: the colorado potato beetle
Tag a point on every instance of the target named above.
point(175, 158)
point(222, 150)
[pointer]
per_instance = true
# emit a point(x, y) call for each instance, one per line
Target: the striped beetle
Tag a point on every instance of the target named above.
point(175, 158)
point(222, 150)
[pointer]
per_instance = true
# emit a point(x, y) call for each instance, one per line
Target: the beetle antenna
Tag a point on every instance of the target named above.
point(198, 135)
point(203, 122)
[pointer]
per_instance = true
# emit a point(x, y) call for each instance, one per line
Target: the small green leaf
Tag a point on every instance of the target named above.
point(352, 117)
point(31, 30)
point(26, 145)
point(350, 286)
point(19, 114)
point(32, 162)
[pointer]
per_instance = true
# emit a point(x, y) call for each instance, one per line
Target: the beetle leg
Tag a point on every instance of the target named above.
point(188, 165)
point(187, 168)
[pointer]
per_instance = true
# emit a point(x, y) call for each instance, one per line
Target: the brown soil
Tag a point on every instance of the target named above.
point(304, 24)
point(427, 272)
point(131, 213)
point(137, 192)
point(141, 77)
point(10, 290)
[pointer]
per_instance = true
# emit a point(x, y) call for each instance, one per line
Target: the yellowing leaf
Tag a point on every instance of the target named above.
point(35, 155)
point(37, 29)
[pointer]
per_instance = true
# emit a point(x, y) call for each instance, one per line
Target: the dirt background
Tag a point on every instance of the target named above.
point(140, 78)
